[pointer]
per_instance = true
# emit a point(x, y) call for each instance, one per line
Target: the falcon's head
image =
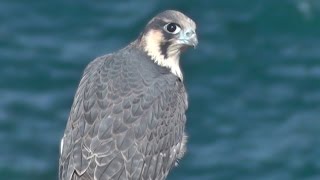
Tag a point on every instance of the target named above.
point(166, 36)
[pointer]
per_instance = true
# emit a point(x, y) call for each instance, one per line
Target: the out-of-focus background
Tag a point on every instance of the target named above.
point(253, 82)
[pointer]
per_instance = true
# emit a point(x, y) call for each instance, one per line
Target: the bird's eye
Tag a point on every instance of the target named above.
point(172, 28)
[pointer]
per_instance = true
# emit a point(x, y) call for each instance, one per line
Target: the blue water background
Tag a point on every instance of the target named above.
point(253, 82)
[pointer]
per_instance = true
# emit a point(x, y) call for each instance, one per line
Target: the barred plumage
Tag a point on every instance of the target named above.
point(127, 120)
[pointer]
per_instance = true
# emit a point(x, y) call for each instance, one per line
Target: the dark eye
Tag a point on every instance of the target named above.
point(172, 28)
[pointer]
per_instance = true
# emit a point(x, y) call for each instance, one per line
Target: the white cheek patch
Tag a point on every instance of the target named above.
point(152, 46)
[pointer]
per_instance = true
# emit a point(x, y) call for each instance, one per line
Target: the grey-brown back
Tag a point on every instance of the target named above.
point(126, 122)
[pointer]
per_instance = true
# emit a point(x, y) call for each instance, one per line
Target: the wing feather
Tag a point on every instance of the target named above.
point(123, 124)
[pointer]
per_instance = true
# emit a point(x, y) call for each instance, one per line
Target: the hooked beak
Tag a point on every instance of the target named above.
point(188, 38)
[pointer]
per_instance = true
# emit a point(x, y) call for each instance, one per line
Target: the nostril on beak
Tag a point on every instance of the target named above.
point(189, 33)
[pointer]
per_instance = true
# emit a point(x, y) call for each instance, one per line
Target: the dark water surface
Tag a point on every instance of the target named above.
point(253, 82)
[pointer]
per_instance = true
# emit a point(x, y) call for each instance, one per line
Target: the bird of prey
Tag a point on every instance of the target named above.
point(128, 117)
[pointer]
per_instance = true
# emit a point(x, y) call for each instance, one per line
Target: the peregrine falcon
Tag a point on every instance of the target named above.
point(128, 117)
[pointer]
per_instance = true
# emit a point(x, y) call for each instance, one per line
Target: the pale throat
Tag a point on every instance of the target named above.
point(152, 46)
